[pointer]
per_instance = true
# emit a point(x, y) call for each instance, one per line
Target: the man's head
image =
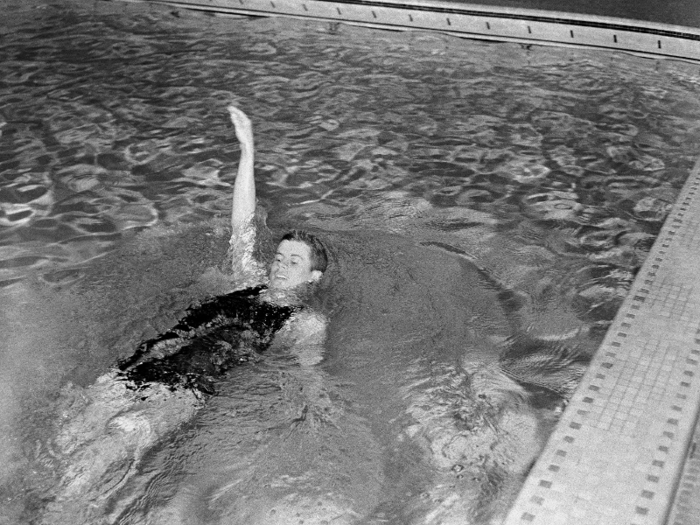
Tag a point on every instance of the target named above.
point(300, 258)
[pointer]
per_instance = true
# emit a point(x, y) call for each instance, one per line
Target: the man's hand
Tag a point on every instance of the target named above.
point(244, 128)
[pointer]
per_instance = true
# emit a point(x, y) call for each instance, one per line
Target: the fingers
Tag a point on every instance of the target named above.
point(242, 125)
point(238, 118)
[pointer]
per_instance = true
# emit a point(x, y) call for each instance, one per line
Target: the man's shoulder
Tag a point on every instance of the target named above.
point(308, 334)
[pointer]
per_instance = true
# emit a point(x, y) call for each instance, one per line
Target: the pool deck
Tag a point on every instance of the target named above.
point(624, 451)
point(670, 12)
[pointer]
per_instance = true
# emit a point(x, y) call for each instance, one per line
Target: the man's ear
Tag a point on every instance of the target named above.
point(316, 275)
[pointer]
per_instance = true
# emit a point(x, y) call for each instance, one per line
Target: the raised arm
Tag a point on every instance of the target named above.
point(246, 269)
point(243, 208)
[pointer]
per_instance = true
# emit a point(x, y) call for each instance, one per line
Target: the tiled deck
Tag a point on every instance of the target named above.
point(617, 454)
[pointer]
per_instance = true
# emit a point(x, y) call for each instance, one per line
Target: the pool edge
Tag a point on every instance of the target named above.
point(526, 26)
point(617, 454)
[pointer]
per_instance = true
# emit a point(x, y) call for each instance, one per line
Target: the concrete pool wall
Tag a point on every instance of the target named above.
point(620, 449)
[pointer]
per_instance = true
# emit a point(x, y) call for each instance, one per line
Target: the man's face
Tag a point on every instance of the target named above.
point(292, 266)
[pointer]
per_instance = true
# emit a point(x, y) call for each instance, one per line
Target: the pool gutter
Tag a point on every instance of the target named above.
point(526, 26)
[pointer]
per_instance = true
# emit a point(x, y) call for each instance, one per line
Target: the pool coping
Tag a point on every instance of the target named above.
point(526, 26)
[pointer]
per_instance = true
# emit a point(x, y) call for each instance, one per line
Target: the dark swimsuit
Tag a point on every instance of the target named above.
point(212, 338)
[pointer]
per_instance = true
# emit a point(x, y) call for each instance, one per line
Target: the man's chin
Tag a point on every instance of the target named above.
point(283, 284)
point(280, 284)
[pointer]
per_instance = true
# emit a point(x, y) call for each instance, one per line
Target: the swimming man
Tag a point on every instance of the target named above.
point(107, 427)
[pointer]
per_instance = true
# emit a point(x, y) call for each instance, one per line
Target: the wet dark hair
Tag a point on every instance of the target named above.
point(319, 256)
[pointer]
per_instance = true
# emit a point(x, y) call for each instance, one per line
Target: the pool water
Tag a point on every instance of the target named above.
point(485, 203)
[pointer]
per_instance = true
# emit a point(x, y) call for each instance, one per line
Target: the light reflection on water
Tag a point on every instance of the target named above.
point(415, 155)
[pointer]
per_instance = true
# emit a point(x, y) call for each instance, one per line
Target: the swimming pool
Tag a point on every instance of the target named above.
point(417, 156)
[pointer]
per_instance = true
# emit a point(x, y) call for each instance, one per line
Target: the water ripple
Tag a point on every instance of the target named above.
point(113, 119)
